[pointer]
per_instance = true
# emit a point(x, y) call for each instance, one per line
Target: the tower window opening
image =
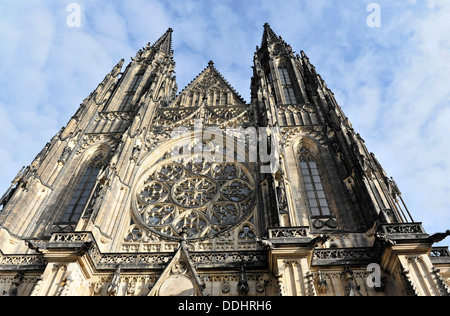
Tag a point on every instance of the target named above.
point(81, 195)
point(284, 76)
point(126, 102)
point(313, 184)
point(136, 82)
point(287, 86)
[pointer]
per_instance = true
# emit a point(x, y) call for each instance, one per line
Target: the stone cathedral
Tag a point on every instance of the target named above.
point(148, 191)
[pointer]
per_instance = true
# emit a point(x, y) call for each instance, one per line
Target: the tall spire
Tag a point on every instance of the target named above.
point(269, 35)
point(164, 43)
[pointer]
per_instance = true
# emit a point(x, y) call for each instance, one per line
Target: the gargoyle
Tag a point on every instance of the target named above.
point(384, 240)
point(438, 237)
point(265, 243)
point(318, 240)
point(39, 248)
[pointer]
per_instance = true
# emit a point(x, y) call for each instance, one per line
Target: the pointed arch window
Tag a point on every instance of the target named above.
point(129, 95)
point(313, 184)
point(288, 88)
point(284, 76)
point(82, 193)
point(136, 81)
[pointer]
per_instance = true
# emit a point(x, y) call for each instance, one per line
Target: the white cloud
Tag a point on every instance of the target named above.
point(402, 107)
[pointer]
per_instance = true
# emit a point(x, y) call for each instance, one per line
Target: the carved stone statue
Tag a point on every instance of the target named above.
point(242, 287)
point(281, 194)
point(16, 283)
point(113, 288)
point(65, 155)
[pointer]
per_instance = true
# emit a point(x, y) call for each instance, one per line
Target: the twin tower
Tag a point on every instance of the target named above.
point(148, 191)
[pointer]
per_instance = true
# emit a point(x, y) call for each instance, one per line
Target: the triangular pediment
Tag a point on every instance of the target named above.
point(208, 97)
point(210, 87)
point(179, 278)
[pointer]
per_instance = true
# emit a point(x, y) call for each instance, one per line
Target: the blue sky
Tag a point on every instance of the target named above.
point(392, 81)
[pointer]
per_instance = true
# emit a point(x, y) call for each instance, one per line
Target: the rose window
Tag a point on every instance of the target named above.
point(194, 192)
point(205, 197)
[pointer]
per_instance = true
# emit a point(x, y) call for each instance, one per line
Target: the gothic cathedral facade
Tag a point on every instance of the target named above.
point(151, 192)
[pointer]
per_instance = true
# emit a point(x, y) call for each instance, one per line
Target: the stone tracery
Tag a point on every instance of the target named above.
point(204, 196)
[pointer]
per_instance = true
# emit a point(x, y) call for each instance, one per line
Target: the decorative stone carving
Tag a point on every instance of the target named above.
point(291, 232)
point(15, 284)
point(403, 228)
point(226, 288)
point(344, 256)
point(113, 288)
point(383, 239)
point(353, 289)
point(265, 243)
point(242, 287)
point(322, 222)
point(207, 198)
point(321, 283)
point(37, 286)
point(65, 285)
point(67, 151)
point(179, 267)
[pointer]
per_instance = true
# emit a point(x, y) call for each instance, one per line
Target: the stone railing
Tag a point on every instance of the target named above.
point(440, 255)
point(71, 238)
point(251, 259)
point(440, 252)
point(289, 232)
point(154, 260)
point(403, 229)
point(22, 262)
point(344, 257)
point(130, 261)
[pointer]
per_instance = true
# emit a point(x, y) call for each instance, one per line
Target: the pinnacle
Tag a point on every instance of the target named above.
point(164, 43)
point(269, 35)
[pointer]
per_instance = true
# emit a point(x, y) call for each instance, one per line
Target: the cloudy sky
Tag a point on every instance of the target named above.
point(392, 81)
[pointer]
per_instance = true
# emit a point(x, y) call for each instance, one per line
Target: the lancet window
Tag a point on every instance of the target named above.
point(81, 195)
point(313, 184)
point(129, 95)
point(288, 88)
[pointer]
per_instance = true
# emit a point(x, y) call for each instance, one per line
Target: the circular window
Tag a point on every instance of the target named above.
point(194, 191)
point(203, 197)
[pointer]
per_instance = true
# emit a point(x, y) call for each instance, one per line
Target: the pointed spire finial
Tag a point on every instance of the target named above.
point(164, 43)
point(210, 63)
point(269, 35)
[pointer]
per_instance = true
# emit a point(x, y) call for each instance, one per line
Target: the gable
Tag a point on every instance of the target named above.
point(208, 97)
point(179, 278)
point(209, 86)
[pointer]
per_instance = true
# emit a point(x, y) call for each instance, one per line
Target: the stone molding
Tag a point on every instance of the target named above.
point(343, 257)
point(148, 261)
